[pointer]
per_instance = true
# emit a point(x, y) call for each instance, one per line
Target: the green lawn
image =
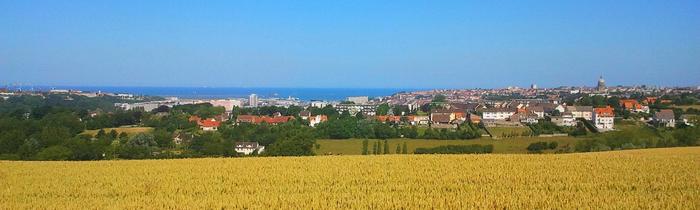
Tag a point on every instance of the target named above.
point(509, 145)
point(501, 132)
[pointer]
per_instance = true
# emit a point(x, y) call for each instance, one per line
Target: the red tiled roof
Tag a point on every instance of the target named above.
point(209, 123)
point(257, 119)
point(605, 112)
point(384, 118)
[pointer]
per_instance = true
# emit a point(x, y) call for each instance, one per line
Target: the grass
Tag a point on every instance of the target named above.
point(128, 130)
point(504, 146)
point(633, 179)
point(500, 132)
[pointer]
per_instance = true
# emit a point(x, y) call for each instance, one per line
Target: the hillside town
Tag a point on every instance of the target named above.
point(507, 107)
point(254, 124)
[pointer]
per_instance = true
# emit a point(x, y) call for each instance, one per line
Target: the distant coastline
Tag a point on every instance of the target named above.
point(306, 94)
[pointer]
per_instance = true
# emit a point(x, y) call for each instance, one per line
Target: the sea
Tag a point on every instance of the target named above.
point(306, 94)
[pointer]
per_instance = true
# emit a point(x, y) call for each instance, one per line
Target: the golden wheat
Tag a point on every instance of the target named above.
point(640, 179)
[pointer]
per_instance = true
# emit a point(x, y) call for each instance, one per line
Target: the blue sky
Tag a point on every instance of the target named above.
point(396, 44)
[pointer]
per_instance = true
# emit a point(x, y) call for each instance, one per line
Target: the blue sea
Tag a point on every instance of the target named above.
point(307, 94)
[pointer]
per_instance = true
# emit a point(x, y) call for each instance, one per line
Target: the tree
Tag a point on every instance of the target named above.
point(101, 133)
point(439, 98)
point(293, 140)
point(398, 148)
point(375, 148)
point(55, 153)
point(365, 144)
point(404, 150)
point(163, 138)
point(113, 134)
point(386, 146)
point(383, 109)
point(138, 147)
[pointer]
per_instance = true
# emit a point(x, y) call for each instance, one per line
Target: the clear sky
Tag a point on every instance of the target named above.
point(396, 44)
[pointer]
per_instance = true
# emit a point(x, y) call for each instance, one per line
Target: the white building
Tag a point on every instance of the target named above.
point(604, 118)
point(566, 119)
point(253, 100)
point(359, 99)
point(227, 104)
point(248, 148)
point(319, 104)
point(585, 112)
point(497, 113)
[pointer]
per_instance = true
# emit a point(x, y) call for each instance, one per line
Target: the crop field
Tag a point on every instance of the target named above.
point(507, 145)
point(632, 179)
point(128, 130)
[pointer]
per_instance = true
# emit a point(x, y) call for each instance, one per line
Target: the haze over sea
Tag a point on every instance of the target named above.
point(328, 94)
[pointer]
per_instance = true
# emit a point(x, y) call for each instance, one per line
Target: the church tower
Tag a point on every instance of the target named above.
point(601, 85)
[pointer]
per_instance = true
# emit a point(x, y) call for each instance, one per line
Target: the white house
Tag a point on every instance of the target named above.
point(566, 119)
point(497, 113)
point(604, 118)
point(248, 148)
point(585, 112)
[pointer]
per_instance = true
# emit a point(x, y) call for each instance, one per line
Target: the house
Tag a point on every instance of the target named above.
point(253, 119)
point(524, 117)
point(209, 124)
point(316, 119)
point(388, 118)
point(585, 112)
point(418, 120)
point(566, 119)
point(446, 116)
point(248, 148)
point(475, 119)
point(181, 137)
point(440, 118)
point(650, 100)
point(537, 110)
point(604, 118)
point(353, 109)
point(665, 117)
point(549, 108)
point(468, 107)
point(497, 113)
point(689, 119)
point(633, 106)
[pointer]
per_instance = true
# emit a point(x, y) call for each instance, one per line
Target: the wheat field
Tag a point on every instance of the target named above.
point(635, 179)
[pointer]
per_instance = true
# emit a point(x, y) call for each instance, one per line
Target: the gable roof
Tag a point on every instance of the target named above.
point(605, 112)
point(665, 114)
point(579, 108)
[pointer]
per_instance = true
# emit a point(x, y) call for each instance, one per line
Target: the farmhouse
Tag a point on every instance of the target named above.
point(665, 117)
point(248, 148)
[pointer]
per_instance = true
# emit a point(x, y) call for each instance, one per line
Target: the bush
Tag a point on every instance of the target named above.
point(541, 145)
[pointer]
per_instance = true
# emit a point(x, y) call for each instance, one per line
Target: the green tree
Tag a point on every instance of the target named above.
point(383, 109)
point(386, 146)
point(55, 153)
point(365, 145)
point(375, 148)
point(404, 150)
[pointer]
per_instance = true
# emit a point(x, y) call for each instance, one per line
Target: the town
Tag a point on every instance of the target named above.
point(252, 124)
